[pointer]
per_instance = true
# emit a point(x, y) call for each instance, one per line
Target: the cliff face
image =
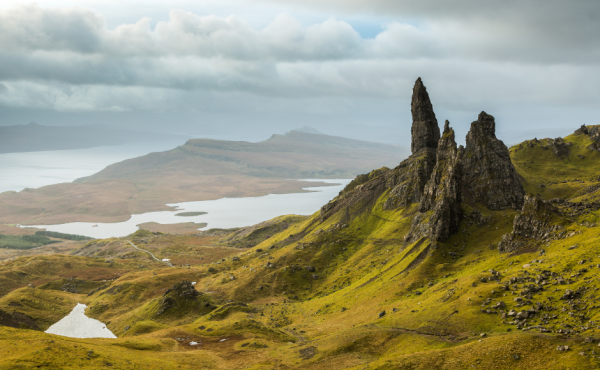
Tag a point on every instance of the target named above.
point(442, 194)
point(439, 176)
point(440, 210)
point(491, 178)
point(409, 178)
point(533, 225)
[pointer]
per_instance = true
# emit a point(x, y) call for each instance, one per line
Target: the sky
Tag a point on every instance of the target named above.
point(246, 69)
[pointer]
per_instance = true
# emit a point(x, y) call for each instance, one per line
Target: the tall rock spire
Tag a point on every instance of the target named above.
point(441, 195)
point(491, 178)
point(425, 131)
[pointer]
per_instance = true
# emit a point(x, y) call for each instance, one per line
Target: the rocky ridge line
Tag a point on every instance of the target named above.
point(438, 175)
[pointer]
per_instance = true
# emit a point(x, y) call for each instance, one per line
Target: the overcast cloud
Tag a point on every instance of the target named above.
point(310, 61)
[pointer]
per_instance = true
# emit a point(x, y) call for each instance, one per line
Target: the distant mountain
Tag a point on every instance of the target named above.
point(308, 130)
point(34, 138)
point(293, 155)
point(201, 169)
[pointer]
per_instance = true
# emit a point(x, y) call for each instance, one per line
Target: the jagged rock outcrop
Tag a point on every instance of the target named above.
point(425, 132)
point(405, 181)
point(180, 295)
point(361, 179)
point(359, 196)
point(534, 225)
point(441, 194)
point(438, 176)
point(583, 130)
point(560, 148)
point(490, 177)
point(409, 178)
point(183, 289)
point(593, 132)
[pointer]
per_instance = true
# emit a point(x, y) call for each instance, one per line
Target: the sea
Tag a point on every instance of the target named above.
point(36, 169)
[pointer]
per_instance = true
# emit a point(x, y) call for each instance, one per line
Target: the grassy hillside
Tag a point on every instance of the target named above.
point(342, 292)
point(201, 169)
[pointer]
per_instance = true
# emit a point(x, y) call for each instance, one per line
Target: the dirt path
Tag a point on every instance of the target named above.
point(150, 253)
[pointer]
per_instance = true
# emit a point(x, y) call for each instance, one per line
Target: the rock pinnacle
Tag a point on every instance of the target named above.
point(425, 131)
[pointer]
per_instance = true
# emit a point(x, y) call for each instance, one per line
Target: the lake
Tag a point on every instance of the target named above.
point(77, 325)
point(222, 213)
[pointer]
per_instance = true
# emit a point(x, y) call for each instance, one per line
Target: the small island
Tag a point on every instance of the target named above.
point(190, 214)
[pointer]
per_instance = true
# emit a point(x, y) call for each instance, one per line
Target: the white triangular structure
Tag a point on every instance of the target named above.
point(78, 325)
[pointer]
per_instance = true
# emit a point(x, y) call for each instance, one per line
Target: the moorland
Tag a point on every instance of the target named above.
point(479, 257)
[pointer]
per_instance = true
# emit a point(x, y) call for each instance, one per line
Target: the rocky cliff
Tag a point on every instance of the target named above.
point(424, 131)
point(535, 224)
point(409, 178)
point(439, 176)
point(491, 178)
point(442, 194)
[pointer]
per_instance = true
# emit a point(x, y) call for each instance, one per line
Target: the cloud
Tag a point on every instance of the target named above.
point(77, 30)
point(535, 31)
point(474, 55)
point(29, 27)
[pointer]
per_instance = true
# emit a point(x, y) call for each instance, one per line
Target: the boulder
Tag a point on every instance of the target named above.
point(178, 296)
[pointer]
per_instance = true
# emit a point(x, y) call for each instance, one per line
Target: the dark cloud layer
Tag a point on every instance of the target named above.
point(509, 56)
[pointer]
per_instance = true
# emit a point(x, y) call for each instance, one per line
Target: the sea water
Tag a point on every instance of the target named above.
point(222, 213)
point(35, 169)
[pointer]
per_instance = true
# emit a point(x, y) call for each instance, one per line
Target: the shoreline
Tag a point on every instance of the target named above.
point(224, 212)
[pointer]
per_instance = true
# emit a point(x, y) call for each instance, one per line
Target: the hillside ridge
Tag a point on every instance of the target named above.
point(479, 257)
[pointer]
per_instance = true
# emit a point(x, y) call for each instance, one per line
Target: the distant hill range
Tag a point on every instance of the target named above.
point(201, 169)
point(308, 130)
point(35, 138)
point(293, 155)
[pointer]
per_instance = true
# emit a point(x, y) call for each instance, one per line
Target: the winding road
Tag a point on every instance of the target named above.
point(150, 253)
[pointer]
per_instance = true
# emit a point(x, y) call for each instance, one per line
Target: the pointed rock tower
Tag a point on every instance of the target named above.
point(440, 207)
point(491, 178)
point(442, 194)
point(411, 175)
point(425, 132)
point(438, 176)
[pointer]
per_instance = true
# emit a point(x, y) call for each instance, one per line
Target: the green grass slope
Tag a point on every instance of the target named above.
point(347, 292)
